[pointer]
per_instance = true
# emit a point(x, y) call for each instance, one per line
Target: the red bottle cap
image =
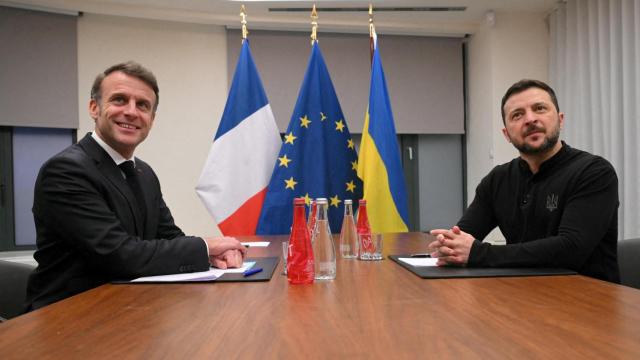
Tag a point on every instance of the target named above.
point(298, 201)
point(362, 202)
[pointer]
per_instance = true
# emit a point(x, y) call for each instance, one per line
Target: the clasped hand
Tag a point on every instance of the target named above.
point(225, 252)
point(451, 247)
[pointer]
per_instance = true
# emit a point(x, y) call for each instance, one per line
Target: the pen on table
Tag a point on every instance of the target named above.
point(420, 255)
point(251, 272)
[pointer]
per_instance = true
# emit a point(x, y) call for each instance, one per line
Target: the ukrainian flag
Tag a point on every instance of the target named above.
point(379, 163)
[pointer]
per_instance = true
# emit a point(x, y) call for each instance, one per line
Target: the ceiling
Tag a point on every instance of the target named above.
point(226, 12)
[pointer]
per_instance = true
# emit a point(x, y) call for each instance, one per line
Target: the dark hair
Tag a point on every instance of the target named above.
point(130, 68)
point(526, 84)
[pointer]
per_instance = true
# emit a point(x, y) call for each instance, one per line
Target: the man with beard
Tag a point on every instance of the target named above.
point(556, 206)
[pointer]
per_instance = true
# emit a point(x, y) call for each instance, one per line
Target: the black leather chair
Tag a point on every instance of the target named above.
point(13, 288)
point(629, 262)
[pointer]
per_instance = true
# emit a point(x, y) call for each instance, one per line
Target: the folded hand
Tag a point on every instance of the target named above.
point(451, 247)
point(225, 252)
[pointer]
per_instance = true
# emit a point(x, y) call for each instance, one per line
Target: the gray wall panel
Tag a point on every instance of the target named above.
point(38, 69)
point(31, 148)
point(440, 168)
point(424, 75)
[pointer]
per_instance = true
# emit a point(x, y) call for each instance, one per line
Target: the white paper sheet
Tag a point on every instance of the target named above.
point(420, 261)
point(255, 243)
point(209, 275)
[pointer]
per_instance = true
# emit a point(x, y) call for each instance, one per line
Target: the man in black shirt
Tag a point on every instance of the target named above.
point(556, 206)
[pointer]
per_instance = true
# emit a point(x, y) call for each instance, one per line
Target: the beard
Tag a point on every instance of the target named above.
point(549, 142)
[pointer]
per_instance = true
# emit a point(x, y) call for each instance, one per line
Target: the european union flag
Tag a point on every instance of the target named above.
point(317, 158)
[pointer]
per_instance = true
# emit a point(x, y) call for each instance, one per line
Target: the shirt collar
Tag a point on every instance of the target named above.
point(117, 158)
point(557, 157)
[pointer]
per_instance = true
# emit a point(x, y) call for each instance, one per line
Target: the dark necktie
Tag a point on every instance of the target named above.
point(129, 170)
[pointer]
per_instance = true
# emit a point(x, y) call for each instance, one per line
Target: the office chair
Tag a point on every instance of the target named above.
point(628, 261)
point(13, 288)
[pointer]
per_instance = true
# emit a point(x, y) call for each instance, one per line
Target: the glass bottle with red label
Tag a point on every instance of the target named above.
point(364, 232)
point(300, 261)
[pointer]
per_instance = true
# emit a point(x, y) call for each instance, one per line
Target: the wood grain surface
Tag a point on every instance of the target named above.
point(372, 310)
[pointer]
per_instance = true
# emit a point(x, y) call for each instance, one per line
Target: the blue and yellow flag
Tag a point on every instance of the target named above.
point(317, 158)
point(379, 164)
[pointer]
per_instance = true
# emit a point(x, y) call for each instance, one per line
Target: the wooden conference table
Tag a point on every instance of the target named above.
point(372, 310)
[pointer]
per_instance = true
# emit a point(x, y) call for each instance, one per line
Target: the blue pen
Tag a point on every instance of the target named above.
point(251, 272)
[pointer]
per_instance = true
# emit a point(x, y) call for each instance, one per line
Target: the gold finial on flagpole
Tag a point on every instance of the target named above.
point(243, 15)
point(372, 34)
point(371, 27)
point(314, 25)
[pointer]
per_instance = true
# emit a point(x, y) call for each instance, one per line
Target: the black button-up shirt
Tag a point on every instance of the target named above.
point(565, 215)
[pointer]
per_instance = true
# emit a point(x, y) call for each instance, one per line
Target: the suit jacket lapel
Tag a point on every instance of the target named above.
point(146, 184)
point(112, 173)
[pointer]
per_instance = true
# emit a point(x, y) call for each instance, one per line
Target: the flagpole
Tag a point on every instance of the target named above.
point(372, 33)
point(243, 22)
point(314, 25)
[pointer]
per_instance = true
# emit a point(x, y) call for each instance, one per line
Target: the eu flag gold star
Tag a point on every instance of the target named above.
point(354, 165)
point(339, 125)
point(335, 201)
point(307, 199)
point(351, 186)
point(284, 161)
point(350, 144)
point(322, 116)
point(290, 184)
point(304, 122)
point(288, 139)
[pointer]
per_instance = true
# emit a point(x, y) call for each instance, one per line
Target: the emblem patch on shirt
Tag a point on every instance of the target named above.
point(552, 202)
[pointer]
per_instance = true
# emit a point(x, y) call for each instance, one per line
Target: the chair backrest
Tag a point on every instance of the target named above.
point(629, 262)
point(13, 288)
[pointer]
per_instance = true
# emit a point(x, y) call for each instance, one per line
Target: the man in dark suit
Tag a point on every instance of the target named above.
point(99, 211)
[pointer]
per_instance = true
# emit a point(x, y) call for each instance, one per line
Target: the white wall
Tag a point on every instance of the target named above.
point(513, 48)
point(190, 62)
point(481, 113)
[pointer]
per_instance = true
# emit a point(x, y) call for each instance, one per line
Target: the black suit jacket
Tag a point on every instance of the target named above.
point(90, 230)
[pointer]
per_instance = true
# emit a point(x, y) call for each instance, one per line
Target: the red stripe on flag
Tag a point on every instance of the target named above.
point(245, 219)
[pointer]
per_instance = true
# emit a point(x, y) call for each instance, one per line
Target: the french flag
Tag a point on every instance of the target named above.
point(234, 180)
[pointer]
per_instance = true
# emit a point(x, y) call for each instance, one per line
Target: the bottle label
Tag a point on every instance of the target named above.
point(367, 244)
